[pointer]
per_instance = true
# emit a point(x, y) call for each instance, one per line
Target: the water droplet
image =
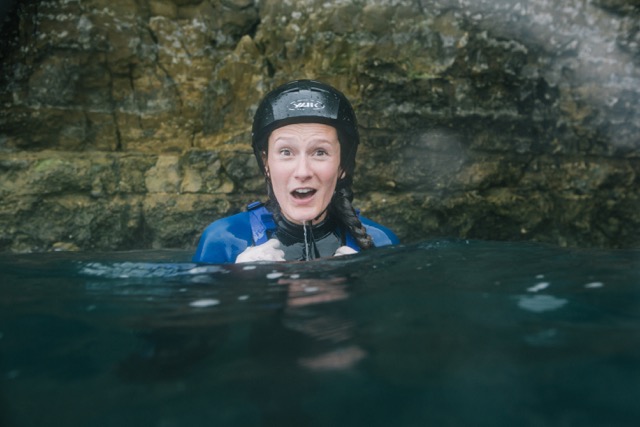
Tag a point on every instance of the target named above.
point(594, 285)
point(540, 286)
point(203, 303)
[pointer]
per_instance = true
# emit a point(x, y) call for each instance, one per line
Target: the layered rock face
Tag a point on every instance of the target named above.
point(126, 124)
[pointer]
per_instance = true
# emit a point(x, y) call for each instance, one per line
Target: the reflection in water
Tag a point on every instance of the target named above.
point(333, 329)
point(178, 340)
point(301, 327)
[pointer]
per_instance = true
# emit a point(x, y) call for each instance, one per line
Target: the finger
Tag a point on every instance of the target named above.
point(273, 243)
point(277, 255)
point(344, 250)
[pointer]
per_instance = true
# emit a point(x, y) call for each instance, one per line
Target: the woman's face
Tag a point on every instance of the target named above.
point(303, 163)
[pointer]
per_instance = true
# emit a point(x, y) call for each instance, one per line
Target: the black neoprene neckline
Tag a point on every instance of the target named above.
point(289, 233)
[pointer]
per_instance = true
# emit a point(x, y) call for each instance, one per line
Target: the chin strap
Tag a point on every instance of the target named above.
point(319, 215)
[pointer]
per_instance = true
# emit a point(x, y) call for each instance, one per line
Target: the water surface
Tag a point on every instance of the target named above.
point(444, 333)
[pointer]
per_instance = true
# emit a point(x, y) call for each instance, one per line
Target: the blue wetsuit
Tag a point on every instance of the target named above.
point(223, 240)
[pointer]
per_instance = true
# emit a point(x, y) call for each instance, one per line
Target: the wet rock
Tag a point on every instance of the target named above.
point(127, 124)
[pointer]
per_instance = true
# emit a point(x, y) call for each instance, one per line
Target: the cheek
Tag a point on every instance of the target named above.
point(333, 172)
point(329, 178)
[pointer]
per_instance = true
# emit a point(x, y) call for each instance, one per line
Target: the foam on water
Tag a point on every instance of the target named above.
point(541, 303)
point(144, 270)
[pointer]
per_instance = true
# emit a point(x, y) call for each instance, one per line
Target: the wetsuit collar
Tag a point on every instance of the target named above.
point(289, 233)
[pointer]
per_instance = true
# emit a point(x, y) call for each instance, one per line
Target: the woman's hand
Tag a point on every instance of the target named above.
point(269, 251)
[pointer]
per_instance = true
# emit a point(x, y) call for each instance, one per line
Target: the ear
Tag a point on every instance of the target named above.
point(266, 166)
point(343, 174)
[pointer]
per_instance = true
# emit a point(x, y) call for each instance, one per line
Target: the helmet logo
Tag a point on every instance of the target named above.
point(305, 104)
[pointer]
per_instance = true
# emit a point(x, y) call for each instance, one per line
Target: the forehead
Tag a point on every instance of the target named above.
point(305, 130)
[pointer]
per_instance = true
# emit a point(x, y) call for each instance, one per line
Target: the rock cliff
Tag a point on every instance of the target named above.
point(125, 123)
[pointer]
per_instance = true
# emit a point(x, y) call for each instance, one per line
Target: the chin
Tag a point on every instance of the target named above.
point(301, 217)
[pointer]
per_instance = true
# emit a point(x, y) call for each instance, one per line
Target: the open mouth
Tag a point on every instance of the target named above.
point(303, 193)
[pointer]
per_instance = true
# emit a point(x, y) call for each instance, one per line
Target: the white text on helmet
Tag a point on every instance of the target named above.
point(303, 104)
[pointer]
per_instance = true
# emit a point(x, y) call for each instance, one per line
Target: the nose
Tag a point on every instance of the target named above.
point(303, 169)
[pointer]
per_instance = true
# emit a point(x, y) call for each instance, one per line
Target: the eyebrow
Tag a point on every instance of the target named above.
point(318, 138)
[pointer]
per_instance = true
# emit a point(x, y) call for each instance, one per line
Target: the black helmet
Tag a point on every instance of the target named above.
point(307, 101)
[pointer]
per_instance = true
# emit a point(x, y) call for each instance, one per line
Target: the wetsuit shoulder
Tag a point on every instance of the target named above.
point(381, 235)
point(223, 240)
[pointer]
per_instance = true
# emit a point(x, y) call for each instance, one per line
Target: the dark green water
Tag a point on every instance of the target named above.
point(436, 334)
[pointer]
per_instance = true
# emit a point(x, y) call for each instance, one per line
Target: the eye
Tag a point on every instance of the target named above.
point(321, 152)
point(285, 152)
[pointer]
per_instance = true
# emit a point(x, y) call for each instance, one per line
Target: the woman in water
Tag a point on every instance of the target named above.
point(305, 139)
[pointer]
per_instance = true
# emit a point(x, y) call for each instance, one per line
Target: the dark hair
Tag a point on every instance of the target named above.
point(309, 101)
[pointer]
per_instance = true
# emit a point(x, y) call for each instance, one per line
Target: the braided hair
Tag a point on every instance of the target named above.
point(342, 209)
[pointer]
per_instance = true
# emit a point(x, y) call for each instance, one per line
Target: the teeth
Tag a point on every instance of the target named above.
point(304, 190)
